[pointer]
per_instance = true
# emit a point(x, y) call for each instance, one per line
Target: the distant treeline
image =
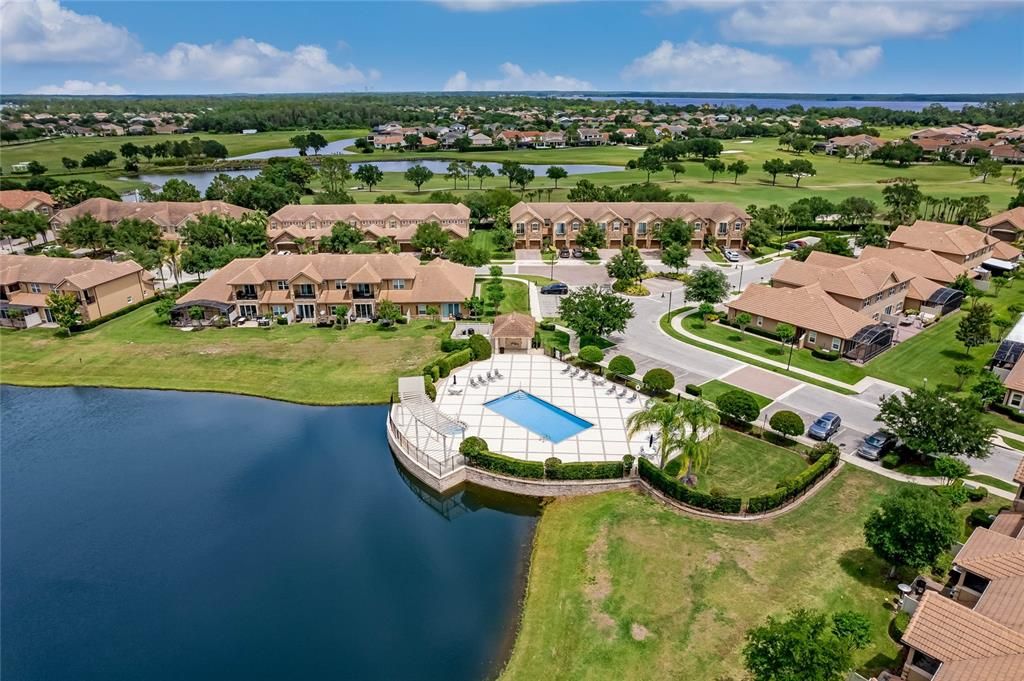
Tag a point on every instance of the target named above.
point(323, 111)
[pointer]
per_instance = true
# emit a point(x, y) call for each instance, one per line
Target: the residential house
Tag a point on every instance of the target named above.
point(399, 221)
point(20, 167)
point(521, 138)
point(853, 144)
point(309, 287)
point(591, 136)
point(250, 131)
point(839, 122)
point(110, 130)
point(169, 216)
point(923, 263)
point(102, 287)
point(1005, 226)
point(627, 133)
point(480, 140)
point(623, 222)
point(551, 140)
point(960, 244)
point(388, 141)
point(19, 199)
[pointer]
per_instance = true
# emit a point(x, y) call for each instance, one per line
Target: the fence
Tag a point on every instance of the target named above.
point(436, 467)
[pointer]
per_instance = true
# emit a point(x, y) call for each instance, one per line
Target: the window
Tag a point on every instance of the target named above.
point(34, 288)
point(641, 228)
point(812, 336)
point(393, 224)
point(339, 284)
point(282, 285)
point(278, 310)
point(129, 299)
point(534, 226)
point(603, 226)
point(698, 225)
point(723, 227)
point(576, 225)
point(560, 228)
point(520, 228)
point(760, 320)
point(616, 226)
point(421, 308)
point(738, 225)
point(1015, 399)
point(398, 284)
point(836, 344)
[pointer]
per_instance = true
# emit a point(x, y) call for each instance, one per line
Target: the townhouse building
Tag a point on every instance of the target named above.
point(19, 199)
point(1006, 226)
point(309, 287)
point(960, 244)
point(293, 223)
point(101, 287)
point(169, 216)
point(723, 224)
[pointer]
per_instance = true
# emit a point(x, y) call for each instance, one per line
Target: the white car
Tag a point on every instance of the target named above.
point(732, 256)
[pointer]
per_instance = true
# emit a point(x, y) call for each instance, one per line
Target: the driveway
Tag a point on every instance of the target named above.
point(576, 273)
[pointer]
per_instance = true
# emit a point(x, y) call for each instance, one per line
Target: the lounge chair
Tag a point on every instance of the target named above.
point(632, 397)
point(621, 393)
point(472, 382)
point(566, 368)
point(610, 390)
point(452, 390)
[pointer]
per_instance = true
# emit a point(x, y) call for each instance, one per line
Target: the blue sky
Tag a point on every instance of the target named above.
point(48, 46)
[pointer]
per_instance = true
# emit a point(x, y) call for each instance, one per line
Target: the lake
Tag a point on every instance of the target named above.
point(166, 535)
point(335, 147)
point(202, 178)
point(780, 103)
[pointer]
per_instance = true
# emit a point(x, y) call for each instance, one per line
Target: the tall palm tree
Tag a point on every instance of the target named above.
point(663, 417)
point(170, 252)
point(702, 426)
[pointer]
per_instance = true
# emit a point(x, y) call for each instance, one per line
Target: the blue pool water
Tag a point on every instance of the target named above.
point(538, 416)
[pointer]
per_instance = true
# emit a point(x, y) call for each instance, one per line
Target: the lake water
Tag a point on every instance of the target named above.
point(164, 535)
point(202, 178)
point(779, 103)
point(335, 147)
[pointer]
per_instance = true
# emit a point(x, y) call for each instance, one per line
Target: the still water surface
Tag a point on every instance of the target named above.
point(165, 535)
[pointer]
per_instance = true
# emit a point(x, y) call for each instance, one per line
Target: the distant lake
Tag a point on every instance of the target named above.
point(202, 178)
point(165, 535)
point(335, 147)
point(778, 103)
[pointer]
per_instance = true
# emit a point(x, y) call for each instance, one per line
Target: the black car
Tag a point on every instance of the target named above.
point(876, 445)
point(577, 252)
point(563, 253)
point(554, 289)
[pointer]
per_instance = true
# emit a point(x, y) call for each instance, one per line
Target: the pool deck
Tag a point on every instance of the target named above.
point(542, 377)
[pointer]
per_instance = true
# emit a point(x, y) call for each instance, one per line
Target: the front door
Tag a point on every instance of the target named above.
point(364, 310)
point(248, 310)
point(449, 310)
point(306, 311)
point(48, 315)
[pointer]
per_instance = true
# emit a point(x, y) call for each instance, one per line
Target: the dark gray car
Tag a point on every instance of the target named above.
point(827, 425)
point(876, 445)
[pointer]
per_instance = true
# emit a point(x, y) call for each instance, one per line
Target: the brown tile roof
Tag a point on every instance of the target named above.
point(162, 213)
point(992, 555)
point(949, 632)
point(217, 287)
point(844, 276)
point(1014, 216)
point(1001, 668)
point(923, 263)
point(629, 210)
point(941, 237)
point(17, 199)
point(292, 219)
point(807, 307)
point(513, 325)
point(1010, 523)
point(1003, 602)
point(26, 299)
point(79, 272)
point(854, 140)
point(1006, 251)
point(1015, 379)
point(437, 281)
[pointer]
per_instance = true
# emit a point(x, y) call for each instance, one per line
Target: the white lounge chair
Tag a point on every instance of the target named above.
point(621, 393)
point(610, 390)
point(632, 397)
point(497, 374)
point(566, 369)
point(452, 390)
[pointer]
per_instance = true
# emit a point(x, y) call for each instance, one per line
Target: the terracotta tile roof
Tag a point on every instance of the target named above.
point(1014, 216)
point(630, 210)
point(217, 286)
point(949, 632)
point(807, 307)
point(923, 263)
point(513, 325)
point(843, 276)
point(27, 299)
point(1003, 602)
point(163, 213)
point(1015, 379)
point(941, 237)
point(1006, 251)
point(1010, 523)
point(1001, 668)
point(17, 199)
point(854, 140)
point(372, 218)
point(992, 555)
point(79, 272)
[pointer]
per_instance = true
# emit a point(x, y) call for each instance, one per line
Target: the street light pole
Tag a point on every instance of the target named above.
point(740, 287)
point(789, 361)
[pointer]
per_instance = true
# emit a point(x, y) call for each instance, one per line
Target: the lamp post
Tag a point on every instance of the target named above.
point(789, 361)
point(740, 287)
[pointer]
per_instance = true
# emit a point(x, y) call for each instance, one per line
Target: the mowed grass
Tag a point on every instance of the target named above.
point(297, 363)
point(620, 587)
point(745, 466)
point(517, 296)
point(713, 389)
point(484, 238)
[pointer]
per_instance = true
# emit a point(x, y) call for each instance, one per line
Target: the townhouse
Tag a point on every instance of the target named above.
point(1006, 226)
point(626, 222)
point(293, 223)
point(309, 287)
point(972, 628)
point(19, 199)
point(101, 287)
point(960, 244)
point(922, 263)
point(852, 144)
point(169, 216)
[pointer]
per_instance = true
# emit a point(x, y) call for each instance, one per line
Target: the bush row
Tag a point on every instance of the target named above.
point(477, 455)
point(505, 465)
point(680, 492)
point(453, 344)
point(1008, 411)
point(827, 355)
point(693, 389)
point(795, 486)
point(554, 469)
point(114, 315)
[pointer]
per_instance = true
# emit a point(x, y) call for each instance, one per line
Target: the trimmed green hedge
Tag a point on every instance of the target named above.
point(454, 361)
point(114, 315)
point(795, 486)
point(556, 470)
point(505, 465)
point(428, 387)
point(680, 492)
point(1008, 412)
point(827, 355)
point(546, 326)
point(480, 347)
point(693, 389)
point(453, 344)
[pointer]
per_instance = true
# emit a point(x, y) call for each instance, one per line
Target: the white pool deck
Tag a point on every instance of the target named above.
point(542, 377)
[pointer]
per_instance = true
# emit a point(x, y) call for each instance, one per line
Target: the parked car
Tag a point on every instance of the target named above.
point(827, 425)
point(732, 256)
point(577, 252)
point(876, 445)
point(794, 245)
point(563, 253)
point(555, 289)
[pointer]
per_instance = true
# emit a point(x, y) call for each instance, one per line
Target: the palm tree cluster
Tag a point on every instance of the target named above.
point(687, 429)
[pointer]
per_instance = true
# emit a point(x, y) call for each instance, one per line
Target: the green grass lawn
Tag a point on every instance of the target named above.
point(1000, 421)
point(298, 363)
point(769, 349)
point(517, 297)
point(993, 482)
point(745, 466)
point(554, 339)
point(536, 279)
point(484, 238)
point(714, 388)
point(620, 587)
point(1014, 442)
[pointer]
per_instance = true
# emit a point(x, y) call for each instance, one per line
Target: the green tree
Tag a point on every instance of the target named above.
point(773, 167)
point(676, 168)
point(856, 210)
point(963, 372)
point(369, 174)
point(23, 224)
point(989, 388)
point(675, 256)
point(622, 365)
point(591, 354)
point(805, 645)
point(951, 469)
point(556, 173)
point(342, 239)
point(482, 173)
point(987, 168)
point(430, 239)
point(738, 405)
point(419, 175)
point(911, 528)
point(65, 309)
point(334, 172)
point(69, 163)
point(650, 162)
point(714, 166)
point(86, 231)
point(163, 308)
point(738, 168)
point(787, 423)
point(388, 312)
point(174, 189)
point(873, 235)
point(743, 320)
point(591, 312)
point(36, 168)
point(627, 265)
point(454, 173)
point(300, 142)
point(975, 328)
point(591, 237)
point(931, 423)
point(463, 252)
point(786, 333)
point(700, 431)
point(659, 380)
point(903, 199)
point(665, 419)
point(708, 285)
point(800, 168)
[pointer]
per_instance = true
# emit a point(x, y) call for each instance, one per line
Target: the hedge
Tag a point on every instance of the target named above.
point(795, 486)
point(556, 470)
point(591, 354)
point(546, 326)
point(680, 492)
point(428, 387)
point(114, 315)
point(472, 445)
point(693, 389)
point(480, 347)
point(659, 380)
point(453, 344)
point(621, 364)
point(505, 465)
point(827, 355)
point(1009, 412)
point(454, 361)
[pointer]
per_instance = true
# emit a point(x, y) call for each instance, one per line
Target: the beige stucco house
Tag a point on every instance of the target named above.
point(169, 216)
point(20, 199)
point(1005, 226)
point(960, 244)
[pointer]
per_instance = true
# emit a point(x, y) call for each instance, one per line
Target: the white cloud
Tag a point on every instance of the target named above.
point(80, 87)
point(696, 66)
point(246, 65)
point(854, 62)
point(41, 31)
point(492, 5)
point(515, 78)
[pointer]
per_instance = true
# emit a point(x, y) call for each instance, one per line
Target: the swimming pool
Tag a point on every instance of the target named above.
point(539, 417)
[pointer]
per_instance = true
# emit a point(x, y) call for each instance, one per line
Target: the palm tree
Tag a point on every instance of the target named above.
point(664, 417)
point(702, 425)
point(170, 252)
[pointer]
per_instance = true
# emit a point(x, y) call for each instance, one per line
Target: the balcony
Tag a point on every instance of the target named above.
point(362, 295)
point(304, 293)
point(246, 295)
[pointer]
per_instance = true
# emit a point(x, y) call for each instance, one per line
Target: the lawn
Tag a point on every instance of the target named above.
point(745, 466)
point(554, 339)
point(620, 587)
point(517, 297)
point(983, 479)
point(714, 388)
point(536, 279)
point(298, 363)
point(484, 238)
point(764, 347)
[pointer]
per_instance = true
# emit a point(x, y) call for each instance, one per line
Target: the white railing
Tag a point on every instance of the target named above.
point(438, 467)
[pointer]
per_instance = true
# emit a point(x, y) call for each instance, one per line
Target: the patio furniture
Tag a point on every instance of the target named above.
point(632, 398)
point(454, 391)
point(566, 369)
point(610, 390)
point(621, 393)
point(472, 381)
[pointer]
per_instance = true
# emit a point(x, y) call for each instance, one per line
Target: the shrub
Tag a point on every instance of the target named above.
point(1008, 412)
point(282, 320)
point(821, 449)
point(979, 517)
point(738, 405)
point(674, 467)
point(692, 389)
point(582, 471)
point(942, 564)
point(453, 344)
point(591, 354)
point(659, 380)
point(900, 624)
point(955, 494)
point(547, 326)
point(454, 361)
point(428, 387)
point(977, 493)
point(627, 463)
point(472, 445)
point(827, 355)
point(680, 492)
point(787, 423)
point(551, 466)
point(480, 347)
point(505, 465)
point(890, 461)
point(621, 364)
point(795, 486)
